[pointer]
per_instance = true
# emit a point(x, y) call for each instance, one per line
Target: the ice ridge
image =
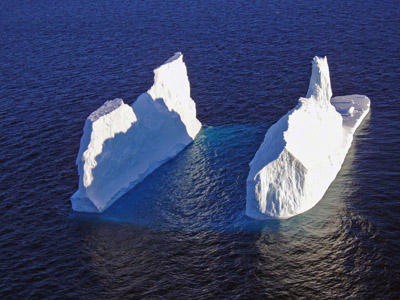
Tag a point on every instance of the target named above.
point(302, 153)
point(122, 144)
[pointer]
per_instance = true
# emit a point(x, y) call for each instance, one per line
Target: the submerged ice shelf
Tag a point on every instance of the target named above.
point(302, 153)
point(122, 144)
point(291, 171)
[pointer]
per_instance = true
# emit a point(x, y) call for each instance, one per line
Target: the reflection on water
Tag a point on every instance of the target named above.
point(183, 232)
point(320, 251)
point(131, 261)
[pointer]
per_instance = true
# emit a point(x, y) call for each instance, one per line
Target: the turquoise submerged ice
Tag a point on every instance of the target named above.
point(302, 153)
point(122, 144)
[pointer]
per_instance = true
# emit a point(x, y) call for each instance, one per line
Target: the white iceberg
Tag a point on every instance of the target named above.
point(122, 144)
point(302, 153)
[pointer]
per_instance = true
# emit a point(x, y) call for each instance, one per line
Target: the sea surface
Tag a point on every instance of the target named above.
point(182, 233)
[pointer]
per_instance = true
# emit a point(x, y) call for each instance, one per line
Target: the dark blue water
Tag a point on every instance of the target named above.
point(182, 233)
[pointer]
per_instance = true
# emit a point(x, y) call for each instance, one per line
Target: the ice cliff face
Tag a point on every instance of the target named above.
point(303, 152)
point(122, 144)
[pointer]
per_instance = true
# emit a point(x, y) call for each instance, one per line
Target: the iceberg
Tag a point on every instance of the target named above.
point(122, 144)
point(302, 153)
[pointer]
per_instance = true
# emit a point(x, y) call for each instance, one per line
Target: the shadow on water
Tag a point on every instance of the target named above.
point(185, 224)
point(204, 188)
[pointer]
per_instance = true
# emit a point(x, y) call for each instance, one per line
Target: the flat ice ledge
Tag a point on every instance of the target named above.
point(108, 107)
point(176, 56)
point(353, 109)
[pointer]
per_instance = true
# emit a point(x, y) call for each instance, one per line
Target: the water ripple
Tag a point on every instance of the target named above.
point(182, 232)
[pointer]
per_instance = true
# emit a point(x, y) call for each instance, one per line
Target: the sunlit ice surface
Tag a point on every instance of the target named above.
point(203, 188)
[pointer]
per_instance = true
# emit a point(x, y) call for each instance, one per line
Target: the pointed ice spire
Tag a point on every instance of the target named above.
point(320, 82)
point(171, 83)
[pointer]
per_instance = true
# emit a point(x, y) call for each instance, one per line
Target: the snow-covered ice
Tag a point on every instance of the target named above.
point(302, 153)
point(122, 144)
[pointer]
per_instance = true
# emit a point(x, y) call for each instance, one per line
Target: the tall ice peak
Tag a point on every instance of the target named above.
point(122, 144)
point(303, 152)
point(320, 82)
point(171, 83)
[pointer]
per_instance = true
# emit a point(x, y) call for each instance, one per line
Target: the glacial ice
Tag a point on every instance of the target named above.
point(122, 144)
point(302, 153)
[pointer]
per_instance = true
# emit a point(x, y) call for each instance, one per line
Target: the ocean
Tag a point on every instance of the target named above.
point(182, 233)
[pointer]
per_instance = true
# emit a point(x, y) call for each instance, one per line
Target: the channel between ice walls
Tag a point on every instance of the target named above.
point(302, 153)
point(122, 144)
